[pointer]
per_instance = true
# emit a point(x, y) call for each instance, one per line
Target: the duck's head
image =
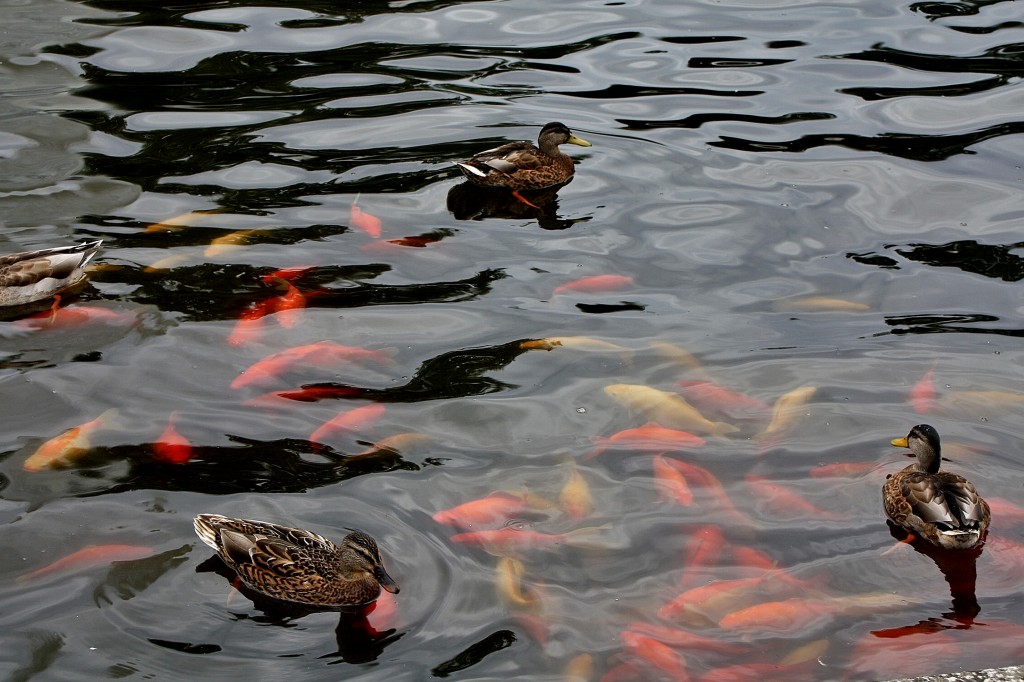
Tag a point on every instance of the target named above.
point(364, 555)
point(923, 441)
point(554, 134)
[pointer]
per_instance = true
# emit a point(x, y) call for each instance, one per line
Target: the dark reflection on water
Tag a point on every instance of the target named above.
point(787, 196)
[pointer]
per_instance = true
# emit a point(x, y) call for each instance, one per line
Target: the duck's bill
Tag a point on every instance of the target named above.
point(578, 140)
point(386, 581)
point(899, 442)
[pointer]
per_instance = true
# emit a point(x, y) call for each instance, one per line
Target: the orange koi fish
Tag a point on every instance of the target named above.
point(842, 470)
point(166, 263)
point(231, 242)
point(661, 656)
point(595, 284)
point(734, 405)
point(89, 557)
point(382, 614)
point(649, 437)
point(788, 615)
point(788, 408)
point(418, 241)
point(579, 669)
point(685, 639)
point(286, 274)
point(348, 420)
point(781, 501)
point(703, 601)
point(665, 408)
point(745, 672)
point(493, 510)
point(748, 557)
point(697, 476)
point(575, 498)
point(507, 541)
point(370, 224)
point(65, 449)
point(671, 482)
point(705, 547)
point(250, 323)
point(172, 447)
point(288, 305)
point(396, 444)
point(922, 394)
point(73, 316)
point(324, 353)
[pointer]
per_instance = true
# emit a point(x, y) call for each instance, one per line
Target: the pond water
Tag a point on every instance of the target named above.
point(794, 194)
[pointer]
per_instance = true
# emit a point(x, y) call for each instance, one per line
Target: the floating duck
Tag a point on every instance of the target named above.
point(32, 276)
point(296, 565)
point(523, 166)
point(939, 506)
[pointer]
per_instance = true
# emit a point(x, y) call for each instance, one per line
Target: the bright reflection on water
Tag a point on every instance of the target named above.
point(805, 194)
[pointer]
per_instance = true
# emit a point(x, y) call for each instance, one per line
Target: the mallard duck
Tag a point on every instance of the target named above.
point(296, 565)
point(32, 276)
point(521, 165)
point(939, 506)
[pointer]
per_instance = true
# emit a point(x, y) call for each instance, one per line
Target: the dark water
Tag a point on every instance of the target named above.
point(746, 156)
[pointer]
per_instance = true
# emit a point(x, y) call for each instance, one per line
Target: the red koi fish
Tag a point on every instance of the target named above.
point(89, 557)
point(685, 639)
point(172, 447)
point(324, 353)
point(922, 394)
point(73, 316)
point(649, 437)
point(507, 541)
point(595, 284)
point(370, 224)
point(250, 323)
point(493, 510)
point(788, 615)
point(698, 476)
point(782, 501)
point(347, 421)
point(705, 547)
point(382, 614)
point(661, 656)
point(1005, 510)
point(707, 395)
point(288, 305)
point(671, 482)
point(748, 557)
point(311, 394)
point(286, 274)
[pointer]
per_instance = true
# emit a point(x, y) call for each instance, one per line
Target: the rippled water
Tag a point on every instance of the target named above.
point(746, 157)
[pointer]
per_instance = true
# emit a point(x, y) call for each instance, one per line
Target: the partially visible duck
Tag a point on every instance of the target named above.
point(295, 565)
point(31, 276)
point(942, 507)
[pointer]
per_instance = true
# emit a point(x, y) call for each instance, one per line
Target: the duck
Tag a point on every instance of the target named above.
point(522, 165)
point(941, 507)
point(296, 565)
point(32, 276)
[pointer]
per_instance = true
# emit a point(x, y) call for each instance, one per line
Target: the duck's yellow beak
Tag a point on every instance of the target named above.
point(899, 442)
point(578, 140)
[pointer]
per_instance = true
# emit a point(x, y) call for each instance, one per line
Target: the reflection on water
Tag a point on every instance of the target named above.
point(799, 196)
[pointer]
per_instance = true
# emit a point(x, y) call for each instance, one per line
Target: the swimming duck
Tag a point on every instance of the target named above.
point(296, 565)
point(521, 165)
point(31, 276)
point(940, 506)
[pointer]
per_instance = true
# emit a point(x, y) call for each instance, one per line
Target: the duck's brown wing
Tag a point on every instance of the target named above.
point(508, 158)
point(945, 500)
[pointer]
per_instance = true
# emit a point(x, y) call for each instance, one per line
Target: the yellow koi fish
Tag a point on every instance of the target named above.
point(65, 449)
point(666, 408)
point(787, 408)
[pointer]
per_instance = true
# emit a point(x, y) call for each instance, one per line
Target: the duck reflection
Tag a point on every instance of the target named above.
point(357, 635)
point(467, 201)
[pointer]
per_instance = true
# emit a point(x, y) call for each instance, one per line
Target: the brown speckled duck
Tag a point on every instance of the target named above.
point(31, 276)
point(521, 165)
point(296, 565)
point(939, 506)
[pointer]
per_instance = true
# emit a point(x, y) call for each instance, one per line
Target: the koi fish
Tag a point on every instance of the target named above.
point(90, 557)
point(665, 408)
point(922, 394)
point(706, 604)
point(313, 393)
point(73, 316)
point(172, 446)
point(579, 669)
point(697, 476)
point(348, 420)
point(705, 547)
point(842, 470)
point(822, 303)
point(324, 353)
point(732, 404)
point(671, 482)
point(679, 355)
point(288, 305)
point(397, 444)
point(493, 510)
point(509, 540)
point(370, 224)
point(745, 672)
point(63, 450)
point(286, 274)
point(250, 322)
point(798, 613)
point(974, 401)
point(685, 639)
point(781, 501)
point(509, 582)
point(651, 437)
point(577, 343)
point(785, 412)
point(805, 653)
point(166, 263)
point(1005, 510)
point(661, 656)
point(914, 655)
point(382, 614)
point(232, 242)
point(748, 557)
point(575, 498)
point(595, 284)
point(180, 222)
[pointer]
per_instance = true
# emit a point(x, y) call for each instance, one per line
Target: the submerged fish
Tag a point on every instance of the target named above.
point(922, 394)
point(321, 354)
point(508, 541)
point(370, 224)
point(494, 510)
point(91, 557)
point(665, 408)
point(649, 437)
point(575, 498)
point(786, 411)
point(347, 421)
point(171, 446)
point(68, 447)
point(594, 284)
